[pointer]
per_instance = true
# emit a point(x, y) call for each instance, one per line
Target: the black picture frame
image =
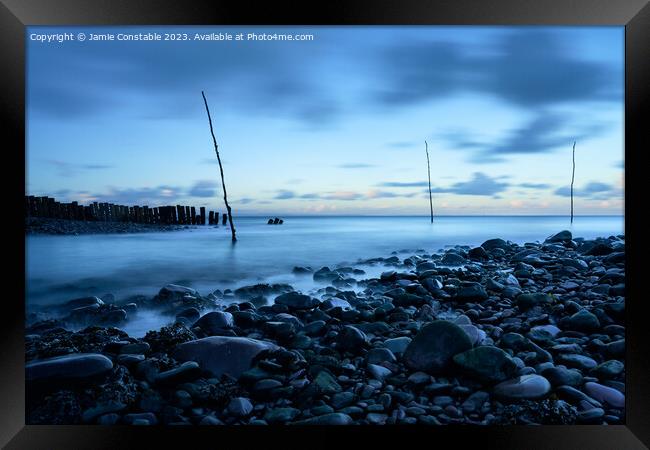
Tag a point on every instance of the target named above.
point(15, 15)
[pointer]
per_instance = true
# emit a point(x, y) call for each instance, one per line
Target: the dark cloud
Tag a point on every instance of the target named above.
point(203, 188)
point(531, 69)
point(355, 166)
point(245, 201)
point(545, 132)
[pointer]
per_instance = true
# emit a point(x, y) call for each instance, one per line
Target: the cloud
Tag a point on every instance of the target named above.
point(203, 188)
point(531, 69)
point(68, 169)
point(544, 132)
point(159, 195)
point(534, 185)
point(479, 184)
point(593, 190)
point(245, 201)
point(398, 184)
point(342, 195)
point(284, 195)
point(401, 144)
point(374, 193)
point(355, 166)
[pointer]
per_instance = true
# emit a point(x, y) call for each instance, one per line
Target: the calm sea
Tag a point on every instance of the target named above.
point(59, 268)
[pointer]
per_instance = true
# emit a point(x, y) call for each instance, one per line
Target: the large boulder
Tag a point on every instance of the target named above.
point(68, 368)
point(487, 363)
point(174, 291)
point(223, 354)
point(433, 348)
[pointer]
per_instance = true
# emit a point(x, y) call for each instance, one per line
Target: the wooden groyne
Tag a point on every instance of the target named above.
point(48, 207)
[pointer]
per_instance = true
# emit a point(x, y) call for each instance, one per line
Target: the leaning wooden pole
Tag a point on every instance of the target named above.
point(223, 183)
point(573, 175)
point(426, 148)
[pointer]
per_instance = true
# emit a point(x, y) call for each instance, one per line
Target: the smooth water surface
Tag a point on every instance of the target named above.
point(60, 268)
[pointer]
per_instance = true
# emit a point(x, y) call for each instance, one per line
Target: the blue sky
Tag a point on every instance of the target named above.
point(335, 125)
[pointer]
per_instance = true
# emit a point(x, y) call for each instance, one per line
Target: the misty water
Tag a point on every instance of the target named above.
point(60, 268)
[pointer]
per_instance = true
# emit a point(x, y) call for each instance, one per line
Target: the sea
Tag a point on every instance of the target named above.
point(60, 268)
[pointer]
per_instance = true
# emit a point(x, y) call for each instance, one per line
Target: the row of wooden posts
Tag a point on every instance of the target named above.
point(48, 207)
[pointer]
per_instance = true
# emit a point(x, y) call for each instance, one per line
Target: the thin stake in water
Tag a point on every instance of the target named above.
point(573, 175)
point(223, 183)
point(426, 148)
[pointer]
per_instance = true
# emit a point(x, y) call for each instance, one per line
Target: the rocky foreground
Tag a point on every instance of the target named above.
point(39, 225)
point(497, 334)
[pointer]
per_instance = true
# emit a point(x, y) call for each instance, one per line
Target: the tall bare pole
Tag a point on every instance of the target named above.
point(223, 183)
point(573, 175)
point(426, 147)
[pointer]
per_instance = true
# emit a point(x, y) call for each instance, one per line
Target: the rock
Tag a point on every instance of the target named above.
point(379, 372)
point(342, 399)
point(397, 345)
point(82, 302)
point(487, 363)
point(302, 270)
point(491, 244)
point(326, 419)
point(379, 355)
point(527, 301)
point(187, 371)
point(223, 354)
point(478, 253)
point(604, 394)
point(583, 320)
point(281, 415)
point(215, 322)
point(435, 345)
point(295, 300)
point(576, 361)
point(351, 339)
point(608, 369)
point(525, 387)
point(137, 348)
point(562, 236)
point(101, 409)
point(471, 292)
point(72, 368)
point(174, 291)
point(326, 384)
point(453, 259)
point(560, 376)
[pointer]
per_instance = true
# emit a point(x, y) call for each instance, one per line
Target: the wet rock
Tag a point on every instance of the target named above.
point(605, 394)
point(527, 301)
point(326, 419)
point(487, 363)
point(67, 368)
point(351, 339)
point(295, 300)
point(435, 345)
point(471, 292)
point(526, 387)
point(223, 354)
point(583, 320)
point(562, 236)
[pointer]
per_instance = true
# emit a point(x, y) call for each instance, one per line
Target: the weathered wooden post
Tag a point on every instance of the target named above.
point(225, 218)
point(202, 215)
point(211, 218)
point(193, 215)
point(216, 217)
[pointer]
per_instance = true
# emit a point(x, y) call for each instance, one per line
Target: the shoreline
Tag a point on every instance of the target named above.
point(496, 334)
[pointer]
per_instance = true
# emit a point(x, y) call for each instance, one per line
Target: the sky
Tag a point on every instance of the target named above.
point(333, 125)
